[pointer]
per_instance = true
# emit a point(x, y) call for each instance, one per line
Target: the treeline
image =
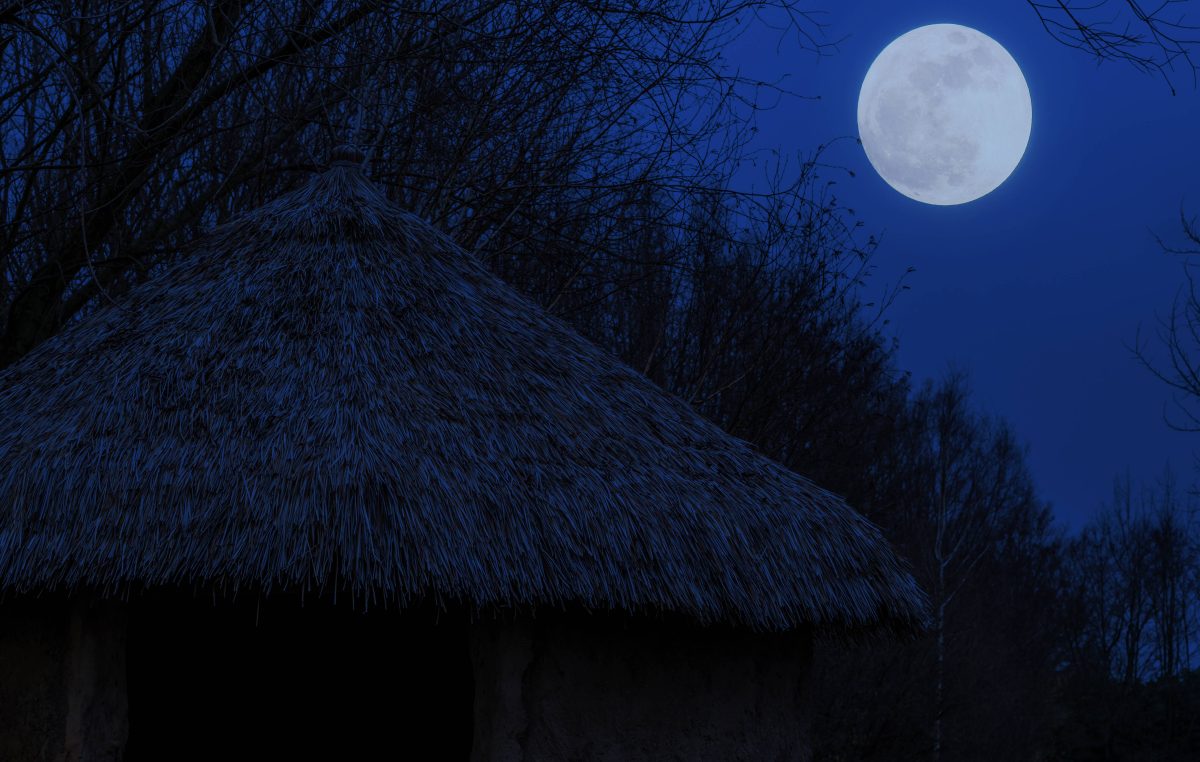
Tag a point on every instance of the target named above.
point(586, 152)
point(1131, 621)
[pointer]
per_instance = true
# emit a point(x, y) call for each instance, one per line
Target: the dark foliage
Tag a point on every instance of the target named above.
point(1107, 720)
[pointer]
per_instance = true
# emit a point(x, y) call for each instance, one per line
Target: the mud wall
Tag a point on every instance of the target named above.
point(62, 680)
point(606, 688)
point(33, 643)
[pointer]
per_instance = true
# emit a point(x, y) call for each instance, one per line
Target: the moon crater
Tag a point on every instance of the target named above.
point(944, 114)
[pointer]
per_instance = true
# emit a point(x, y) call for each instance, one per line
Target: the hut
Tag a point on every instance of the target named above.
point(326, 481)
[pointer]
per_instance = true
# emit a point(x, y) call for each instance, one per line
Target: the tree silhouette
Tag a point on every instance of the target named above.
point(1155, 37)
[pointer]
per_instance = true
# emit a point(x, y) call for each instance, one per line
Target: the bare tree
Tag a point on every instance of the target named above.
point(1175, 560)
point(1153, 37)
point(528, 129)
point(973, 472)
point(956, 495)
point(1132, 575)
point(1178, 335)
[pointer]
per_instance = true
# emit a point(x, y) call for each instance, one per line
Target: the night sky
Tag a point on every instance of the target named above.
point(1038, 288)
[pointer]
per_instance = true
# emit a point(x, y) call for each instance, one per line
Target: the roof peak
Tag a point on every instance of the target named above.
point(346, 155)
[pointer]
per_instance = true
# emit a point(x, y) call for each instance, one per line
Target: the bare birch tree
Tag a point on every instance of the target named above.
point(972, 477)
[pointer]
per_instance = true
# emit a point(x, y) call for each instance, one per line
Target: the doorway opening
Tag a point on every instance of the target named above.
point(273, 679)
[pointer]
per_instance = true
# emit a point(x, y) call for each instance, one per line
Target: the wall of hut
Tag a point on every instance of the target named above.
point(551, 687)
point(33, 643)
point(62, 680)
point(609, 688)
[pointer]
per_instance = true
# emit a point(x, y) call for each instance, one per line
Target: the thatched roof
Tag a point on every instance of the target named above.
point(330, 393)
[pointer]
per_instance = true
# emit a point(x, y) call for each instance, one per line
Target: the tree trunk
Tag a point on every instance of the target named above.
point(939, 681)
point(97, 723)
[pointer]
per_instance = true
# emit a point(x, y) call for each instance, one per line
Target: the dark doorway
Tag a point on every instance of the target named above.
point(272, 679)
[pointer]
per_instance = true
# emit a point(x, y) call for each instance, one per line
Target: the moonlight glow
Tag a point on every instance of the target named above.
point(944, 114)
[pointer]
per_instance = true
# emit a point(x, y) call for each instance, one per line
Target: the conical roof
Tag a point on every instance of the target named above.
point(330, 393)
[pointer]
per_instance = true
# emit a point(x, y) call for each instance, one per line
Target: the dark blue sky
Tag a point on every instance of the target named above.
point(1037, 287)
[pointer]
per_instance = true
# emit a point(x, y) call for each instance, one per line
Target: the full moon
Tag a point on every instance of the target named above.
point(944, 114)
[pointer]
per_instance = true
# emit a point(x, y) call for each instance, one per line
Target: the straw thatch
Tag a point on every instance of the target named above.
point(328, 393)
